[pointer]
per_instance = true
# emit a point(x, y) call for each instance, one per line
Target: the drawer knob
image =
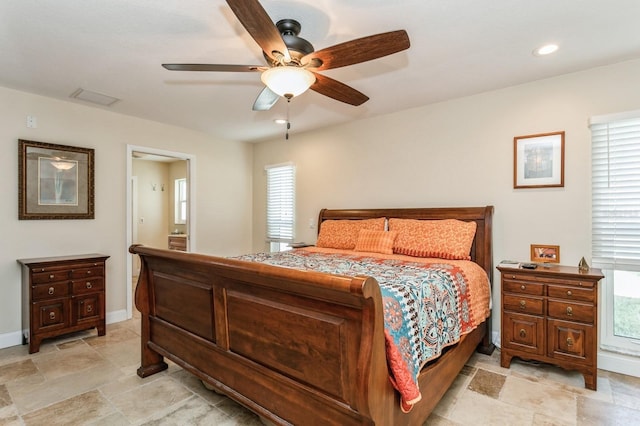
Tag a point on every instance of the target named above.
point(569, 341)
point(51, 276)
point(523, 304)
point(569, 293)
point(89, 308)
point(513, 277)
point(522, 287)
point(523, 333)
point(569, 311)
point(52, 315)
point(89, 284)
point(51, 290)
point(88, 272)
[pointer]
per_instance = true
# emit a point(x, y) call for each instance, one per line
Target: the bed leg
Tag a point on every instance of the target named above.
point(486, 346)
point(151, 369)
point(151, 361)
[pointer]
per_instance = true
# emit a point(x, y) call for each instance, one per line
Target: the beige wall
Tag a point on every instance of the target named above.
point(153, 202)
point(222, 183)
point(460, 153)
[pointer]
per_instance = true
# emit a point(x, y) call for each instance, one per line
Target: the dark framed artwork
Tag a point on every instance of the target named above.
point(55, 181)
point(538, 160)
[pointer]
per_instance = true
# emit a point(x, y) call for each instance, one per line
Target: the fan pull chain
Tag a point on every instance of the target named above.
point(286, 136)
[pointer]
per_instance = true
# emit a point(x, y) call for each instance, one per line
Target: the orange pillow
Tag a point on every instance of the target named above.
point(376, 241)
point(343, 234)
point(446, 239)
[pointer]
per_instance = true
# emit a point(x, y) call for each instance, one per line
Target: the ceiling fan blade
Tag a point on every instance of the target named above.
point(265, 100)
point(214, 67)
point(259, 25)
point(358, 50)
point(338, 91)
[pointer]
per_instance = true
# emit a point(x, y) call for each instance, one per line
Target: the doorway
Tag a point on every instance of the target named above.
point(152, 177)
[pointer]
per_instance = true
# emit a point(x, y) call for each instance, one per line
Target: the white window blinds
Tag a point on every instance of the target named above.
point(616, 191)
point(280, 202)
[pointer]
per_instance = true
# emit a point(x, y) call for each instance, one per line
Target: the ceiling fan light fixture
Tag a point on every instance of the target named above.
point(288, 81)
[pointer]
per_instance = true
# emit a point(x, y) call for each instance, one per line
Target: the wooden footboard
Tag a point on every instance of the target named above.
point(289, 345)
point(295, 347)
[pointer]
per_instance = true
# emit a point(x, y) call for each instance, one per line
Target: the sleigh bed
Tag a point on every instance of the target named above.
point(298, 346)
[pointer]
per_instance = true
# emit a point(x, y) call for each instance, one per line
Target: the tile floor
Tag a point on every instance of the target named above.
point(85, 379)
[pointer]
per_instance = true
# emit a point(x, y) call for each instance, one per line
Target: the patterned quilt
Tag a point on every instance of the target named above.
point(426, 306)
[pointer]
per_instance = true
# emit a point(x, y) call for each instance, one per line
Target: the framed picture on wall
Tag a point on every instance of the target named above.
point(538, 160)
point(55, 181)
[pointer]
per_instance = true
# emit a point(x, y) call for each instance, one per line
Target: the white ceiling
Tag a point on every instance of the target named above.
point(458, 48)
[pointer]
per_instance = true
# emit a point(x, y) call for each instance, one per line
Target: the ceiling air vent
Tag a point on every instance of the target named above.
point(93, 97)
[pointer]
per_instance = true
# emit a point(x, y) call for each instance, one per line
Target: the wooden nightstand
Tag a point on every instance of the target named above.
point(550, 314)
point(61, 295)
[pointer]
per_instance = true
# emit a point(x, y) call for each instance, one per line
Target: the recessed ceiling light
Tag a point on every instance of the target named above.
point(545, 50)
point(280, 121)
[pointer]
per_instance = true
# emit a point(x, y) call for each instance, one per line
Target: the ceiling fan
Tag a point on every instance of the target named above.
point(293, 64)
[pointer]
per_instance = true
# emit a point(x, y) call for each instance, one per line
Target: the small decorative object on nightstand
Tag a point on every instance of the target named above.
point(550, 314)
point(583, 266)
point(61, 295)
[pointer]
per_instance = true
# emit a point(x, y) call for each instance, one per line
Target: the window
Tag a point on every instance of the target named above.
point(180, 198)
point(280, 205)
point(616, 226)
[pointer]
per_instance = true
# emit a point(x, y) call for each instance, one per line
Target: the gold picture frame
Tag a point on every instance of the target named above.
point(55, 181)
point(538, 160)
point(545, 253)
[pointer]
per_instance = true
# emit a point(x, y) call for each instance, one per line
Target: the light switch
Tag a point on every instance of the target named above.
point(31, 122)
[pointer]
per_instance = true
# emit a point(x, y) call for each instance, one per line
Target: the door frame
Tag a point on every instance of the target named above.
point(191, 208)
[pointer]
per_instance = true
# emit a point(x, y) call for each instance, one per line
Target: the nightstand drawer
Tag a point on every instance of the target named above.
point(88, 307)
point(571, 342)
point(50, 315)
point(50, 276)
point(523, 332)
point(523, 287)
point(50, 291)
point(90, 285)
point(572, 293)
point(525, 305)
point(571, 311)
point(94, 271)
point(572, 282)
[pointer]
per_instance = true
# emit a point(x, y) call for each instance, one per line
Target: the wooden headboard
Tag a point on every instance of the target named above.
point(481, 250)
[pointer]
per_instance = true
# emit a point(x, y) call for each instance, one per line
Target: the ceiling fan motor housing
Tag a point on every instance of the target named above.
point(298, 47)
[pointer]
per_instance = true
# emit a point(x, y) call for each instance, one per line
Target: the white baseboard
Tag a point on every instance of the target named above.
point(14, 338)
point(619, 363)
point(116, 316)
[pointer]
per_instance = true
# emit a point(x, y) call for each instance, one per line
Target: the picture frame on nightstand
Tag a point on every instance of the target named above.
point(545, 253)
